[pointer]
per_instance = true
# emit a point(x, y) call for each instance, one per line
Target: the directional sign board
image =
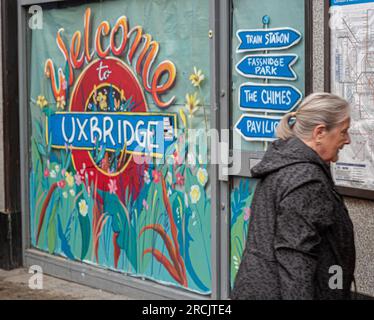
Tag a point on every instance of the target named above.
point(263, 66)
point(268, 97)
point(257, 128)
point(267, 39)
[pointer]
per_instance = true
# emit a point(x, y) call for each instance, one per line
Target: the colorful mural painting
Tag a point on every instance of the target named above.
point(114, 182)
point(241, 201)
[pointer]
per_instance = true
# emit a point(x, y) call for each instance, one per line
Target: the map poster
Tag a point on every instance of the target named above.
point(352, 77)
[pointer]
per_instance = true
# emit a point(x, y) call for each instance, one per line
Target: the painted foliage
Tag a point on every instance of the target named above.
point(114, 180)
point(241, 202)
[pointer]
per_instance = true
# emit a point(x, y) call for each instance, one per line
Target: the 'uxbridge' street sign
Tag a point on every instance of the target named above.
point(256, 128)
point(263, 66)
point(268, 97)
point(267, 39)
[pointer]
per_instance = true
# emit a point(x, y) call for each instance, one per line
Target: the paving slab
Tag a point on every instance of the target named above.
point(14, 285)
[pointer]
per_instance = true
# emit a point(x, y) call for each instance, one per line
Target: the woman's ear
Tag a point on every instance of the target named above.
point(319, 133)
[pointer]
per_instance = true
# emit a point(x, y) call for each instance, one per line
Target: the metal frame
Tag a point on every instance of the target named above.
point(345, 191)
point(96, 276)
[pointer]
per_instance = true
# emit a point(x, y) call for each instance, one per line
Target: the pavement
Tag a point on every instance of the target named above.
point(14, 285)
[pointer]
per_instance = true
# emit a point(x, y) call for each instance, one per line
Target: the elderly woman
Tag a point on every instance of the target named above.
point(300, 240)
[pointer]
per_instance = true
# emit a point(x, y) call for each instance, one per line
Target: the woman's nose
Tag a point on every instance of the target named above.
point(348, 140)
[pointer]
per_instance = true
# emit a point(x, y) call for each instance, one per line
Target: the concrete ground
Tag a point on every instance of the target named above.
point(14, 285)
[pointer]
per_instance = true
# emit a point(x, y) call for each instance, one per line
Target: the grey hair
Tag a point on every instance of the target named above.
point(318, 108)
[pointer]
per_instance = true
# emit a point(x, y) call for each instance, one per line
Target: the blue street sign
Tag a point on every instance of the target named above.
point(137, 132)
point(267, 39)
point(263, 66)
point(256, 128)
point(268, 97)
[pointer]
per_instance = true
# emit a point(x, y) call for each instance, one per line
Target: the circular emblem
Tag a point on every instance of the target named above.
point(107, 86)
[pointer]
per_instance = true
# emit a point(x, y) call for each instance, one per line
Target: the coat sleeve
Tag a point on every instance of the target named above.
point(302, 217)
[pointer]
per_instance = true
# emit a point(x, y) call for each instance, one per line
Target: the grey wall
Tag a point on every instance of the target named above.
point(361, 211)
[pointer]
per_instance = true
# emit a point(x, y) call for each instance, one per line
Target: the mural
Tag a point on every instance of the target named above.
point(116, 178)
point(241, 201)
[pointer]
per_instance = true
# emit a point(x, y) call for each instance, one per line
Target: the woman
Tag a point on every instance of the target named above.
point(300, 240)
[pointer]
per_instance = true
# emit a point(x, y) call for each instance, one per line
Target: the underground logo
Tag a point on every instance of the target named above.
point(107, 124)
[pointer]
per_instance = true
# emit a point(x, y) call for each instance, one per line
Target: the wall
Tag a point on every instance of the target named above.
point(361, 211)
point(2, 201)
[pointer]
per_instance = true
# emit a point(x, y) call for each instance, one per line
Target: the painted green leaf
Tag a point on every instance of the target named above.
point(52, 225)
point(84, 223)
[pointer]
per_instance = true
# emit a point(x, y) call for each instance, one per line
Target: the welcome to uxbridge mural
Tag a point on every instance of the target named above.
point(114, 88)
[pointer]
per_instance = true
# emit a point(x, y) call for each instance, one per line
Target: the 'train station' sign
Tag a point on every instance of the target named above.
point(267, 39)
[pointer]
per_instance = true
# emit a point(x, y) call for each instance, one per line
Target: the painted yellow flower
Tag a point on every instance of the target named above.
point(202, 176)
point(195, 193)
point(69, 179)
point(192, 103)
point(83, 207)
point(61, 102)
point(197, 77)
point(41, 102)
point(102, 98)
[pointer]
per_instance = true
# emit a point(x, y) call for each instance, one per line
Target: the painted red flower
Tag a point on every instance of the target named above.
point(46, 172)
point(180, 179)
point(61, 184)
point(156, 176)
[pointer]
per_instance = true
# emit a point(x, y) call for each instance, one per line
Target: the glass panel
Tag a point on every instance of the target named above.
point(248, 15)
point(109, 184)
point(261, 96)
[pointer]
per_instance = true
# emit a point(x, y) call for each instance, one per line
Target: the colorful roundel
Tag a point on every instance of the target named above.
point(107, 86)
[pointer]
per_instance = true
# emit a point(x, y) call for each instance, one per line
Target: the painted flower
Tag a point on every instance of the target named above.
point(69, 179)
point(180, 179)
point(192, 103)
point(147, 178)
point(61, 184)
point(202, 176)
point(197, 77)
point(195, 193)
point(72, 192)
point(63, 172)
point(156, 176)
point(247, 213)
point(41, 102)
point(83, 208)
point(61, 102)
point(112, 185)
point(53, 174)
point(78, 179)
point(57, 168)
point(178, 160)
point(65, 194)
point(145, 204)
point(46, 172)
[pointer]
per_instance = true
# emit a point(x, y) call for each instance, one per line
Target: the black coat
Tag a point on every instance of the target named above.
point(298, 230)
